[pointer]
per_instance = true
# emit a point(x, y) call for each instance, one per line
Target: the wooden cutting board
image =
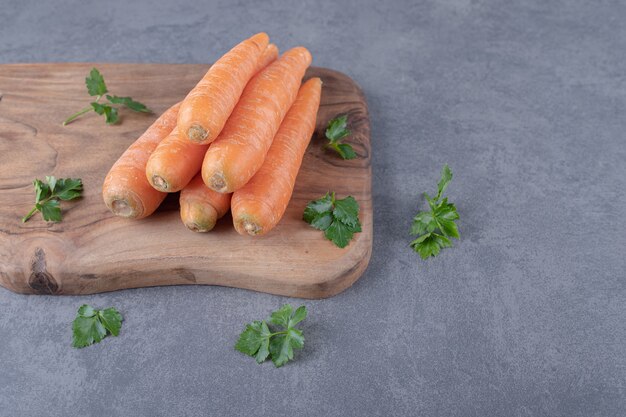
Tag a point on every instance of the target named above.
point(93, 251)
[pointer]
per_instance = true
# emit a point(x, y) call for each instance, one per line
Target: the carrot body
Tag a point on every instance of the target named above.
point(177, 160)
point(126, 191)
point(261, 203)
point(209, 104)
point(269, 55)
point(239, 151)
point(200, 207)
point(174, 163)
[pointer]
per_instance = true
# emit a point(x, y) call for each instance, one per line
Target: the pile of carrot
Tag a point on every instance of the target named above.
point(236, 142)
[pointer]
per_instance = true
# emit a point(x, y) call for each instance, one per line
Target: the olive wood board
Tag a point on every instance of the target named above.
point(93, 251)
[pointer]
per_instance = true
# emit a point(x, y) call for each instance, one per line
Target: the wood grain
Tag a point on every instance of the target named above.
point(93, 251)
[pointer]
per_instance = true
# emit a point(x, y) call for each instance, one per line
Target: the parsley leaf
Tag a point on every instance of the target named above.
point(129, 102)
point(446, 177)
point(336, 131)
point(96, 87)
point(261, 342)
point(91, 326)
point(50, 210)
point(110, 113)
point(48, 194)
point(339, 219)
point(437, 226)
point(95, 83)
point(337, 128)
point(255, 341)
point(347, 211)
point(340, 234)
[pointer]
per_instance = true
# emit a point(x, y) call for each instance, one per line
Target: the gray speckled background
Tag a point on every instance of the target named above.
point(526, 316)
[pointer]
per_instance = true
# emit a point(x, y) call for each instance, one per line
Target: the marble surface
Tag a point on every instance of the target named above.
point(523, 317)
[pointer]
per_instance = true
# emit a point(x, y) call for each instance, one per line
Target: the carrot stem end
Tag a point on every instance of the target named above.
point(197, 133)
point(160, 183)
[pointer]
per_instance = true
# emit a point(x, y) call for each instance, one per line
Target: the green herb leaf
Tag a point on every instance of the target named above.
point(441, 218)
point(339, 219)
point(47, 196)
point(87, 331)
point(111, 319)
point(337, 128)
point(52, 182)
point(260, 341)
point(95, 83)
point(50, 210)
point(255, 341)
point(430, 244)
point(347, 211)
point(318, 213)
point(281, 316)
point(339, 233)
point(42, 190)
point(346, 151)
point(91, 326)
point(322, 221)
point(96, 87)
point(130, 103)
point(298, 316)
point(446, 177)
point(281, 349)
point(86, 311)
point(68, 188)
point(424, 222)
point(336, 131)
point(323, 205)
point(110, 113)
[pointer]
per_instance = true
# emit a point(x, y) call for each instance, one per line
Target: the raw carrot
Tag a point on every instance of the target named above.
point(239, 151)
point(200, 207)
point(269, 55)
point(207, 106)
point(126, 191)
point(261, 203)
point(176, 160)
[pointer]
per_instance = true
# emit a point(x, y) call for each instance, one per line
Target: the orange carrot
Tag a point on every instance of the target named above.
point(269, 55)
point(201, 207)
point(239, 151)
point(176, 160)
point(174, 163)
point(126, 191)
point(261, 203)
point(208, 105)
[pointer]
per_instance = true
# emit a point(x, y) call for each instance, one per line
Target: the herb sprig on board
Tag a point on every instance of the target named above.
point(336, 132)
point(48, 195)
point(337, 218)
point(96, 87)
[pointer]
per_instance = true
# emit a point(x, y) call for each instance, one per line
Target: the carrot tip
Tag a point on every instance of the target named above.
point(251, 228)
point(122, 208)
point(217, 183)
point(159, 183)
point(197, 133)
point(195, 227)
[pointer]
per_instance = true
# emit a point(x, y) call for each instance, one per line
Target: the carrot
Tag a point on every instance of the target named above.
point(126, 191)
point(176, 160)
point(261, 203)
point(200, 207)
point(207, 106)
point(239, 151)
point(269, 55)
